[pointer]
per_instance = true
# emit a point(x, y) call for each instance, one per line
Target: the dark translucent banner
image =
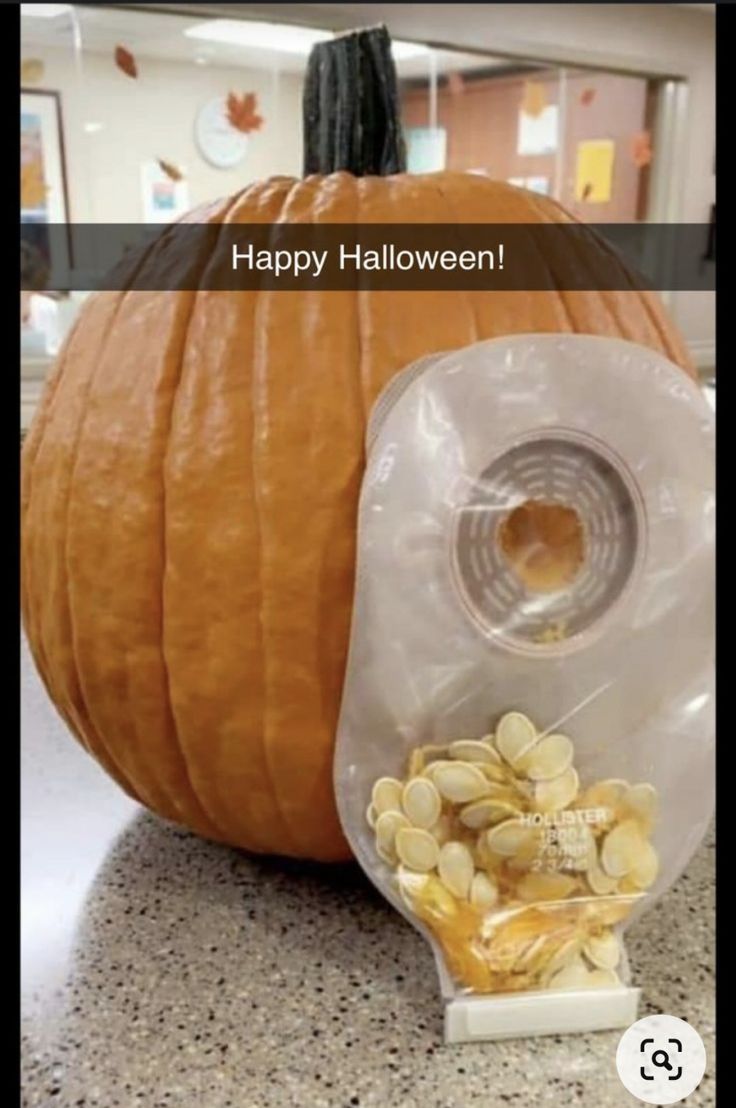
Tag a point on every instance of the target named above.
point(399, 257)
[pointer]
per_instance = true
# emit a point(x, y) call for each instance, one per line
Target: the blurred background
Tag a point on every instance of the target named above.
point(125, 117)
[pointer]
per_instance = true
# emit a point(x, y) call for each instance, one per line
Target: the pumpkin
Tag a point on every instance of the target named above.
point(190, 482)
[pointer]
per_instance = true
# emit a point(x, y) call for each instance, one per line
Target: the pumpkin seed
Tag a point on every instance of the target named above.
point(603, 794)
point(545, 886)
point(460, 782)
point(509, 837)
point(621, 848)
point(417, 849)
point(528, 852)
point(515, 736)
point(483, 892)
point(421, 802)
point(568, 952)
point(482, 813)
point(482, 856)
point(386, 795)
point(628, 887)
point(497, 773)
point(442, 830)
point(580, 846)
point(423, 756)
point(472, 750)
point(642, 802)
point(644, 871)
point(604, 950)
point(551, 756)
point(603, 979)
point(456, 868)
point(461, 811)
point(490, 741)
point(416, 762)
point(575, 975)
point(387, 825)
point(578, 976)
point(554, 795)
point(600, 883)
point(431, 768)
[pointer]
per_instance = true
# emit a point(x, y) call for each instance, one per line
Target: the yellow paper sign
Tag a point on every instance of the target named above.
point(534, 100)
point(594, 171)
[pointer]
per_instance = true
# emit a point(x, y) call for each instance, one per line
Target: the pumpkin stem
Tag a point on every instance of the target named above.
point(351, 107)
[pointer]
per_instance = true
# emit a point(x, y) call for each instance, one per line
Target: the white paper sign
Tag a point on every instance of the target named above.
point(426, 149)
point(163, 199)
point(538, 133)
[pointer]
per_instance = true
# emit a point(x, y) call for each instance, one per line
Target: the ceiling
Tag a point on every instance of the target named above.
point(155, 34)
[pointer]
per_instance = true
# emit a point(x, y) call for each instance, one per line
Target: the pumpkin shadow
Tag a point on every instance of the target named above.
point(167, 902)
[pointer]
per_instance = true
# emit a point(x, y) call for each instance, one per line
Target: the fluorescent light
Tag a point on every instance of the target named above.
point(44, 11)
point(283, 37)
point(92, 128)
point(402, 51)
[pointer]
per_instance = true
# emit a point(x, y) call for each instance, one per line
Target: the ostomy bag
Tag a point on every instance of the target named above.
point(525, 753)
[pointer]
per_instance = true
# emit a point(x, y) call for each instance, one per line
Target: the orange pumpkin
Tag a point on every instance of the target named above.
point(190, 486)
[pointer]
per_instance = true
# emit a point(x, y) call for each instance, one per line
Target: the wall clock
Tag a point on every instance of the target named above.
point(217, 141)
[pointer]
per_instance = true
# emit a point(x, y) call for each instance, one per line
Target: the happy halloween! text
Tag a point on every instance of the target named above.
point(356, 258)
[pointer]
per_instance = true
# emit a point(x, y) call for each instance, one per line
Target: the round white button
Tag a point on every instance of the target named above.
point(661, 1059)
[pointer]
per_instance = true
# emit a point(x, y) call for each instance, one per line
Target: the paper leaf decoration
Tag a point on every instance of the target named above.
point(535, 99)
point(125, 61)
point(31, 71)
point(172, 171)
point(242, 113)
point(641, 149)
point(587, 96)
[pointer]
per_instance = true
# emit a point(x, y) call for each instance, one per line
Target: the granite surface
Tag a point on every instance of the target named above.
point(161, 971)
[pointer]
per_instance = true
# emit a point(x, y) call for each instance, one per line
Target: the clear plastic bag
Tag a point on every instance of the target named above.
point(535, 585)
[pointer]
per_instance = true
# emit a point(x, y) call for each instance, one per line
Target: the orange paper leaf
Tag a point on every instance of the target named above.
point(242, 114)
point(171, 171)
point(641, 149)
point(125, 61)
point(587, 96)
point(535, 99)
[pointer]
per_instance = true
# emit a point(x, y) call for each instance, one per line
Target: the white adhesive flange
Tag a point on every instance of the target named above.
point(523, 1015)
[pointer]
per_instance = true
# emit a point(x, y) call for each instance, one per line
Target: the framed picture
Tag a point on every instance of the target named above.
point(43, 189)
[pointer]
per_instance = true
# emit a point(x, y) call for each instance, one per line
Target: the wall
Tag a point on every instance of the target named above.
point(154, 118)
point(482, 132)
point(659, 39)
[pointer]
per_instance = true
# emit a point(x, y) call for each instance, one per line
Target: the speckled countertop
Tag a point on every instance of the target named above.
point(160, 971)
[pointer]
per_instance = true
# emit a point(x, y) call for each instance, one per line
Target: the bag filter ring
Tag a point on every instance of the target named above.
point(598, 553)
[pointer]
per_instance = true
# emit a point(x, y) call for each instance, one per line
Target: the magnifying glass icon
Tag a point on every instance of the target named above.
point(664, 1057)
